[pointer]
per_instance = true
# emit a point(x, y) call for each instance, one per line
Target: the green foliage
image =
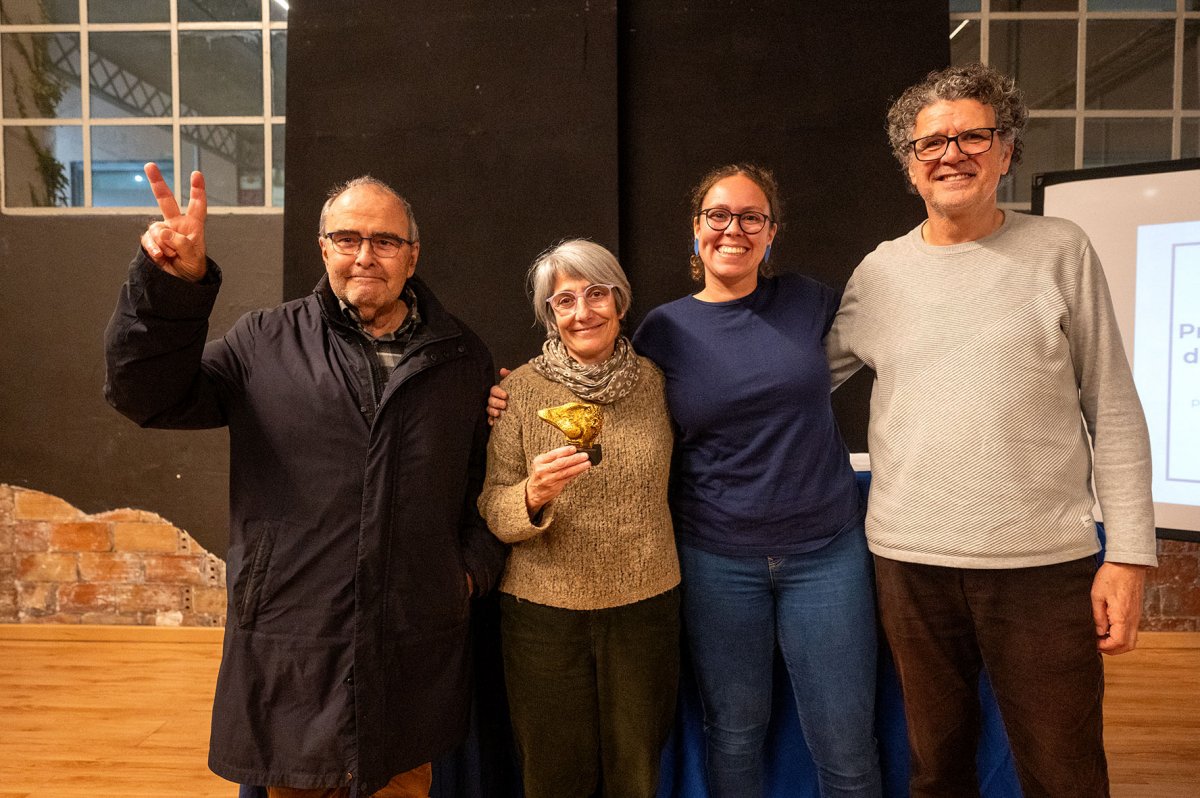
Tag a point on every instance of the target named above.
point(40, 85)
point(52, 172)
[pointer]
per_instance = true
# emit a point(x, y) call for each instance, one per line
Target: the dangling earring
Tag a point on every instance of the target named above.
point(767, 254)
point(695, 246)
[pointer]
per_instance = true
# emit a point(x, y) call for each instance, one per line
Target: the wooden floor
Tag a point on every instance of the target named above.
point(101, 712)
point(107, 712)
point(1152, 717)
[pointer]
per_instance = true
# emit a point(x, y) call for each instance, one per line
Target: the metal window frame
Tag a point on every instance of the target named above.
point(265, 26)
point(1081, 16)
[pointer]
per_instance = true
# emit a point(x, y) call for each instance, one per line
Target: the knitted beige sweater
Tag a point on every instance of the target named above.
point(607, 539)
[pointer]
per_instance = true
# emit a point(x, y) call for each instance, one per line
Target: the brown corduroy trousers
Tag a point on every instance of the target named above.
point(1032, 630)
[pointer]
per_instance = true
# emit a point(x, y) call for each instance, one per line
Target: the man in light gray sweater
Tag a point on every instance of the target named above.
point(1002, 391)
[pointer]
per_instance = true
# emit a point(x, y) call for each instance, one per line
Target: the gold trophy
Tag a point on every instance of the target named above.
point(580, 422)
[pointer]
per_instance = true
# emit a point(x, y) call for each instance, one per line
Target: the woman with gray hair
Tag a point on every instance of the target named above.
point(589, 599)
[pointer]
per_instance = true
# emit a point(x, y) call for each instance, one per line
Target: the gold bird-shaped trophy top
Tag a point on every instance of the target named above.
point(579, 421)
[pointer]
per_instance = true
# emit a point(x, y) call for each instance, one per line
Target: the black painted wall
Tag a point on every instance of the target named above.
point(497, 121)
point(509, 126)
point(513, 129)
point(802, 87)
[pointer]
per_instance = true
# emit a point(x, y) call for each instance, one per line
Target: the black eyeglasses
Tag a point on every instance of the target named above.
point(975, 141)
point(348, 242)
point(719, 219)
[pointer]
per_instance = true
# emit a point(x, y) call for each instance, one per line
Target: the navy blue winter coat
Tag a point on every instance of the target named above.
point(352, 526)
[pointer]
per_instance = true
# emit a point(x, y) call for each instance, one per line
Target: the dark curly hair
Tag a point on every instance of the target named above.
point(761, 177)
point(968, 82)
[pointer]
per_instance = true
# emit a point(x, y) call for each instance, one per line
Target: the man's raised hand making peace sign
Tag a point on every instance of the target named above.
point(176, 244)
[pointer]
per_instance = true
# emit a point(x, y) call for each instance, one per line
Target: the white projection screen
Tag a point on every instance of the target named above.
point(1144, 222)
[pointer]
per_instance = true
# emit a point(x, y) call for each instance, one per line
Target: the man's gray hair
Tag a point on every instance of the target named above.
point(374, 182)
point(969, 82)
point(580, 259)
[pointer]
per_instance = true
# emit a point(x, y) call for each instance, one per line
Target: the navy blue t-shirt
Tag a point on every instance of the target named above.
point(760, 466)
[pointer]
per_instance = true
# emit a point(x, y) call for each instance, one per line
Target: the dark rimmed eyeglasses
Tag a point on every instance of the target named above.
point(719, 220)
point(975, 141)
point(595, 295)
point(348, 242)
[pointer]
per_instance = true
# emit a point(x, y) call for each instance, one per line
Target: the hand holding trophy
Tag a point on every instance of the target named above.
point(551, 471)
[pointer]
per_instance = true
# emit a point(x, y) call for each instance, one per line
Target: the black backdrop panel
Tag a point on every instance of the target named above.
point(801, 87)
point(497, 120)
point(511, 126)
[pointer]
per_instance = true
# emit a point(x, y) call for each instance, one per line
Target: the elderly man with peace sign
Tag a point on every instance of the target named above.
point(357, 438)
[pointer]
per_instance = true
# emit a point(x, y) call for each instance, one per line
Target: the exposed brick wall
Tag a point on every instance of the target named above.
point(58, 565)
point(8, 587)
point(1173, 589)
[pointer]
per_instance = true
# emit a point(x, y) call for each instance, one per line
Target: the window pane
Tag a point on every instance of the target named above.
point(25, 12)
point(1190, 139)
point(43, 166)
point(278, 72)
point(277, 165)
point(1035, 5)
point(231, 157)
point(117, 157)
point(41, 75)
point(1108, 142)
point(220, 73)
point(963, 6)
point(1131, 5)
point(1041, 56)
point(129, 11)
point(130, 74)
point(964, 44)
point(1191, 63)
point(219, 10)
point(1049, 146)
point(1129, 63)
point(279, 10)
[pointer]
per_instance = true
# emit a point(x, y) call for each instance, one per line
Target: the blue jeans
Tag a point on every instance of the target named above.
point(819, 608)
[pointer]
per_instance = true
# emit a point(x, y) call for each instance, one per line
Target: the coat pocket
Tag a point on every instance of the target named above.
point(427, 589)
point(251, 595)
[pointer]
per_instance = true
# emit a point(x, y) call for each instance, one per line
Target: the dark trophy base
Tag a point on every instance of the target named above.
point(594, 453)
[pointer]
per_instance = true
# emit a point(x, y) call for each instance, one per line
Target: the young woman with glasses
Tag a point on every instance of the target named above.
point(765, 504)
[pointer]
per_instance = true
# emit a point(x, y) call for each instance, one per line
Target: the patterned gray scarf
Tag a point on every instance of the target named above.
point(602, 383)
